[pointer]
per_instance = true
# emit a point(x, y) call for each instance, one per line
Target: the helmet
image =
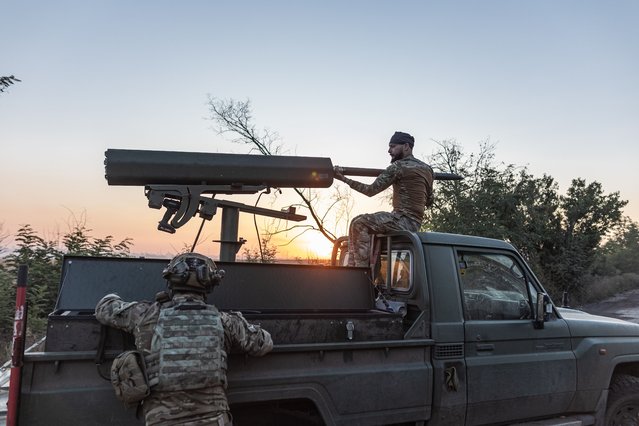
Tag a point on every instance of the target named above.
point(192, 272)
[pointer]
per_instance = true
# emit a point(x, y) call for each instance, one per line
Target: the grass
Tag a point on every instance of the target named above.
point(597, 288)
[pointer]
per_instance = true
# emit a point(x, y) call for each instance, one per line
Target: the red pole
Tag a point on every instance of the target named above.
point(17, 349)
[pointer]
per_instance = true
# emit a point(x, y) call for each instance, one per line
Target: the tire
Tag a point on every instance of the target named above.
point(623, 401)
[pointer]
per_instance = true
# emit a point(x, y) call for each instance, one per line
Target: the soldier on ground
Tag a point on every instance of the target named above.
point(412, 182)
point(184, 343)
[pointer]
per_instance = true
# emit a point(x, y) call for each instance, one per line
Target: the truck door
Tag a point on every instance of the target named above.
point(514, 371)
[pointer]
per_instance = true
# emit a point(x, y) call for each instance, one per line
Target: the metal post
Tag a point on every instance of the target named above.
point(17, 349)
point(228, 236)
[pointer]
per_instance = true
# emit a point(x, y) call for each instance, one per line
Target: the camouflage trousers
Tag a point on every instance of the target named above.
point(201, 407)
point(365, 225)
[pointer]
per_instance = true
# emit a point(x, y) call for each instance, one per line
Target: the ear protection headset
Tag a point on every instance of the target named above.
point(179, 271)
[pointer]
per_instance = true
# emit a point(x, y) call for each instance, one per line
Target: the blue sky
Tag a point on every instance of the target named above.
point(552, 82)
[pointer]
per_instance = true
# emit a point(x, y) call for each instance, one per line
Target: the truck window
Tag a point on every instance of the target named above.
point(494, 287)
point(400, 269)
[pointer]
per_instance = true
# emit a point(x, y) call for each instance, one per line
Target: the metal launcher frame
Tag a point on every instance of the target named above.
point(181, 181)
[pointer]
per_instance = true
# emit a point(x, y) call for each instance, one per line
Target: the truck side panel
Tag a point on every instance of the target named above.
point(359, 383)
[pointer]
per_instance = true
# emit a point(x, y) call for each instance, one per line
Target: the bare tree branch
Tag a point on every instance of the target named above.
point(235, 118)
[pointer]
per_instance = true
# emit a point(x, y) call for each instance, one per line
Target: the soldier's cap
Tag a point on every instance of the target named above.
point(402, 138)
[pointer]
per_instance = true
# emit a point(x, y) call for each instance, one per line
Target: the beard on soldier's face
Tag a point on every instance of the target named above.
point(396, 156)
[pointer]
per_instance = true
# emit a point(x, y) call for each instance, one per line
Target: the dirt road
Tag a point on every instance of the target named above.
point(624, 306)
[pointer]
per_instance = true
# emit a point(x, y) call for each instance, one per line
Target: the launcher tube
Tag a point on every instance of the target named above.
point(361, 171)
point(142, 167)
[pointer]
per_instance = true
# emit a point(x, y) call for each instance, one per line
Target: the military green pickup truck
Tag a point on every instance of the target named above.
point(442, 330)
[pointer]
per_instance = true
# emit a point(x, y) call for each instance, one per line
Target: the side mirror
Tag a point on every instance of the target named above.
point(543, 310)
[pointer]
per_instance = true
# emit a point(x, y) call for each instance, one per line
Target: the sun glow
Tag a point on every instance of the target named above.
point(315, 246)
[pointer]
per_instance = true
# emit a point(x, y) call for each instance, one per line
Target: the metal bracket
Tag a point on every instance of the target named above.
point(182, 202)
point(350, 329)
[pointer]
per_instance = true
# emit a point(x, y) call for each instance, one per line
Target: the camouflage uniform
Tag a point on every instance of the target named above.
point(412, 182)
point(203, 406)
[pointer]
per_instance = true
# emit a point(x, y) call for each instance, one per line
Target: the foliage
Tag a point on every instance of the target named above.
point(77, 242)
point(588, 216)
point(5, 82)
point(44, 260)
point(597, 288)
point(7, 307)
point(559, 235)
point(266, 254)
point(3, 236)
point(620, 253)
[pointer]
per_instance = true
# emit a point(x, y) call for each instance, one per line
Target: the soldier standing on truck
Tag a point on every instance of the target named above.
point(412, 182)
point(184, 343)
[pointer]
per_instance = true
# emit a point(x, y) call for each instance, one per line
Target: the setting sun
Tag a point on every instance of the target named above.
point(315, 246)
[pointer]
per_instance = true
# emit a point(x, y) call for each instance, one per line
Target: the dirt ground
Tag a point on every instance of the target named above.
point(624, 306)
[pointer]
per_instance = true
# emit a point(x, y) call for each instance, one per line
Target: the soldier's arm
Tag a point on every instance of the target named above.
point(430, 196)
point(240, 335)
point(383, 181)
point(114, 312)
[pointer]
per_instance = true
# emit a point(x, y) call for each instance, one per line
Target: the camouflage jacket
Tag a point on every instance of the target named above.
point(185, 407)
point(412, 182)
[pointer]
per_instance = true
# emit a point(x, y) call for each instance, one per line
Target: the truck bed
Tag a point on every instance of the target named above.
point(332, 347)
point(295, 303)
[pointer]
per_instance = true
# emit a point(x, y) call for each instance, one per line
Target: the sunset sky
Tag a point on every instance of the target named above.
point(553, 83)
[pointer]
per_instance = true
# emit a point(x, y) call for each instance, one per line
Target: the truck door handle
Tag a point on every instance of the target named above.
point(485, 347)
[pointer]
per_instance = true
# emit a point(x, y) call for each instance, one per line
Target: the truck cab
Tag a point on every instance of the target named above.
point(503, 353)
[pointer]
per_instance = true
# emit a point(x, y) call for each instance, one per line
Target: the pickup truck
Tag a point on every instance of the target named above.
point(442, 329)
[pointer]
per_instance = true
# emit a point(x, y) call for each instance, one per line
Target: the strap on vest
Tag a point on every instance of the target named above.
point(187, 307)
point(99, 355)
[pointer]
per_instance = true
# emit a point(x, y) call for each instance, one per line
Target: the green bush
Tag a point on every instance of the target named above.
point(44, 261)
point(597, 288)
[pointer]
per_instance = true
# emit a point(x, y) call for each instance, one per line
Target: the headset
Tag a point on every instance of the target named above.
point(178, 272)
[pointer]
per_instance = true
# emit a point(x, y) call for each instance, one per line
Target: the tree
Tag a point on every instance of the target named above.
point(236, 118)
point(78, 242)
point(5, 82)
point(589, 215)
point(558, 235)
point(620, 254)
point(497, 201)
point(44, 260)
point(3, 236)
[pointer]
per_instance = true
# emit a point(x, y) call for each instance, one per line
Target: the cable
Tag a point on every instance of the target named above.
point(197, 237)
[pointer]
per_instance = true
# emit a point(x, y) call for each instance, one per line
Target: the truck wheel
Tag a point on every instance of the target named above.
point(623, 401)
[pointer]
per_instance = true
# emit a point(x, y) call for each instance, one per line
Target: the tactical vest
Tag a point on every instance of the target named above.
point(411, 192)
point(187, 348)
